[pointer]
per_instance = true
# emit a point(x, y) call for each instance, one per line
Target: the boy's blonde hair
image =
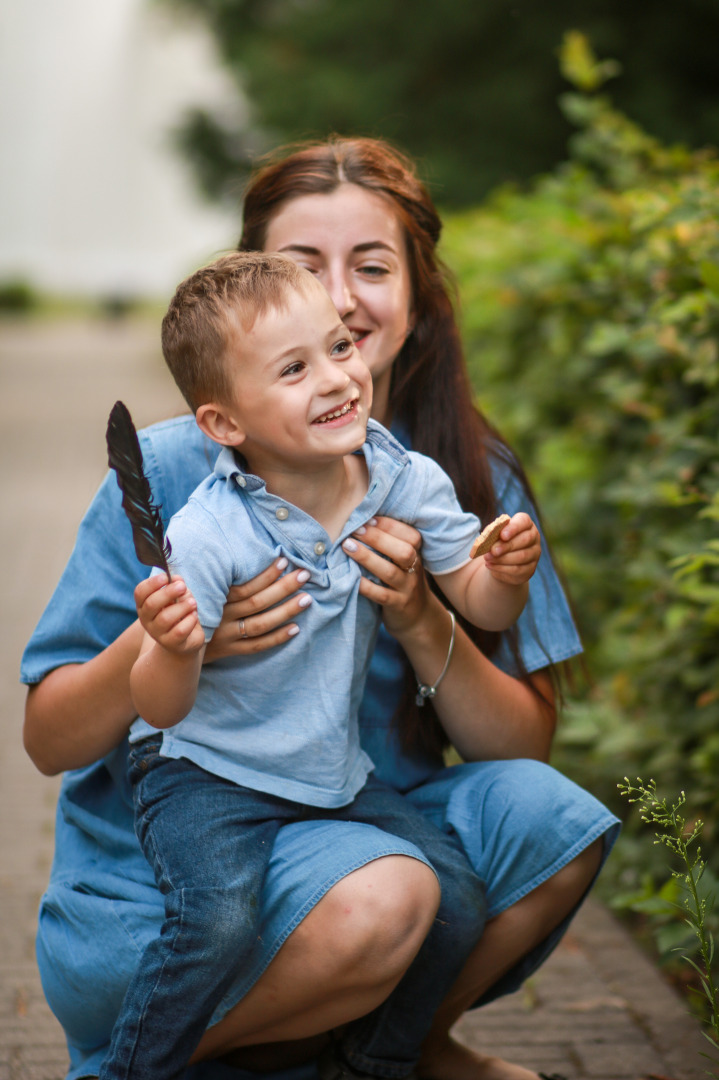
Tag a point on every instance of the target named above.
point(211, 306)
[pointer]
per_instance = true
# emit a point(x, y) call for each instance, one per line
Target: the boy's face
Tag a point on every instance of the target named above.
point(301, 392)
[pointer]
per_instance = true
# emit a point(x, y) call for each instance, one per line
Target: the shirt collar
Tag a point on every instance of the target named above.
point(231, 465)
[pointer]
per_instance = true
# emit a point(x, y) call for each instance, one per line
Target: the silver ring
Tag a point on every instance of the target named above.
point(241, 628)
point(412, 567)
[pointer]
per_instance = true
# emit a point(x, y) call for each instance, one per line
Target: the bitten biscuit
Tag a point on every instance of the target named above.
point(488, 536)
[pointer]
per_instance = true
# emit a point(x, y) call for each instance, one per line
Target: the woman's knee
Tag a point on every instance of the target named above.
point(374, 920)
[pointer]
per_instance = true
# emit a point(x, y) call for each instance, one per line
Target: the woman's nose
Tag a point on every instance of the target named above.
point(340, 290)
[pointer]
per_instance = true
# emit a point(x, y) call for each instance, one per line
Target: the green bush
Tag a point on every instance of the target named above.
point(590, 308)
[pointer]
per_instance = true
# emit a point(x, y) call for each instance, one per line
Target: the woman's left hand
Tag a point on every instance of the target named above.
point(389, 550)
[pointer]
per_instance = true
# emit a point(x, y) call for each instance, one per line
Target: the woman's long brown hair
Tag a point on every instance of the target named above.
point(430, 394)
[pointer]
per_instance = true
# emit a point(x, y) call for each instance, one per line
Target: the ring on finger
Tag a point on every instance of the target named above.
point(411, 569)
point(241, 628)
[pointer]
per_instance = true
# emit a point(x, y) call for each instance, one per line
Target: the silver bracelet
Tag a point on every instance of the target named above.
point(423, 690)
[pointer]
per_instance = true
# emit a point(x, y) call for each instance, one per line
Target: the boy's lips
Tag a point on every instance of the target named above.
point(339, 412)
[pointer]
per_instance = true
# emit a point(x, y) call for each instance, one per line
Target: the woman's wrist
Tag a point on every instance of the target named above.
point(427, 643)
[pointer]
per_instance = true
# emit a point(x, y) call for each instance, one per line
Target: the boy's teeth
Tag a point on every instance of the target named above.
point(337, 412)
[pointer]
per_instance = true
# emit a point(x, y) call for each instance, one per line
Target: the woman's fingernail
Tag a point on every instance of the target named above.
point(349, 545)
point(281, 563)
point(361, 531)
point(292, 630)
point(303, 575)
point(304, 601)
point(372, 521)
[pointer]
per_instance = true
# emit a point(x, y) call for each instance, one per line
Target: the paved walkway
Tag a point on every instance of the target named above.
point(597, 1011)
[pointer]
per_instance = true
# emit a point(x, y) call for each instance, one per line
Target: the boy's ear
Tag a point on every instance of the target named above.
point(219, 424)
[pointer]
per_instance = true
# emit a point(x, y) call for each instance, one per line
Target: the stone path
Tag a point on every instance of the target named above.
point(597, 1011)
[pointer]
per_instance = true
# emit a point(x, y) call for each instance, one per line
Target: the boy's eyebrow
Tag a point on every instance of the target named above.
point(282, 356)
point(367, 245)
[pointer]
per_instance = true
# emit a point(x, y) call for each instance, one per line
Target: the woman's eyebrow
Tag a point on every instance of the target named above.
point(368, 245)
point(304, 249)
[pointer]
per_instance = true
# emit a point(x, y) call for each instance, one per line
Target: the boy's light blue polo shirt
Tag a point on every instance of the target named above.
point(284, 721)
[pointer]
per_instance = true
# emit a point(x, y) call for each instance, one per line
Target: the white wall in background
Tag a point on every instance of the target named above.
point(93, 198)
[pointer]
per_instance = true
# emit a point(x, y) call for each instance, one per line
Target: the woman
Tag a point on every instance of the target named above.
point(344, 910)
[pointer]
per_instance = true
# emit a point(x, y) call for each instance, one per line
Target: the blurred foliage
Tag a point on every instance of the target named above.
point(17, 297)
point(469, 89)
point(590, 308)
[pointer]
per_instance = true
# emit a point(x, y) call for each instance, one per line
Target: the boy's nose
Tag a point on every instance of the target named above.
point(334, 377)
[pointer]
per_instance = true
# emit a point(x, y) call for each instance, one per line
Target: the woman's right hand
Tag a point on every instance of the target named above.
point(258, 614)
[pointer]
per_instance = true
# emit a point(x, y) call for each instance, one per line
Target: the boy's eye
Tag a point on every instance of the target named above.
point(293, 369)
point(341, 348)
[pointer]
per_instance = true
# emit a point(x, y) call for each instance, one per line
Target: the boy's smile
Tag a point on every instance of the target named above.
point(301, 393)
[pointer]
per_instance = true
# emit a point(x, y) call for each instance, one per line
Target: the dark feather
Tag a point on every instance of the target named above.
point(125, 457)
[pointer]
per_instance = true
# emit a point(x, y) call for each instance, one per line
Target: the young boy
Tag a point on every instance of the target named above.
point(261, 355)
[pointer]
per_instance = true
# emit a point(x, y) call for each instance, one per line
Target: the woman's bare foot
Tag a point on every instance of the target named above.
point(450, 1060)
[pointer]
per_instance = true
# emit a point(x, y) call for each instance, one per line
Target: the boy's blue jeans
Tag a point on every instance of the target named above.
point(209, 842)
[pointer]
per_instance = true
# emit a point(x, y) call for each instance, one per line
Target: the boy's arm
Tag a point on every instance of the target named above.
point(491, 591)
point(164, 678)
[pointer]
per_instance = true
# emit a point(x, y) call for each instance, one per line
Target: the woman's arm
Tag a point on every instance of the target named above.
point(79, 712)
point(486, 713)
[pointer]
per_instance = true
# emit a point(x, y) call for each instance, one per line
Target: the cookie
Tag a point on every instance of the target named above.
point(488, 536)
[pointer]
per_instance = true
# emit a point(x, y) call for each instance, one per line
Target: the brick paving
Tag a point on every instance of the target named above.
point(598, 1010)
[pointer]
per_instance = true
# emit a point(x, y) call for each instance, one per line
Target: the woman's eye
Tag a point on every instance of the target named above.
point(374, 271)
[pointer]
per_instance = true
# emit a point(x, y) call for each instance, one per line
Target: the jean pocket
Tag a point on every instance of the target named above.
point(143, 755)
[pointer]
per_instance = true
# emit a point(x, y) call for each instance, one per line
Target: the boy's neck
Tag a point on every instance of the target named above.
point(329, 494)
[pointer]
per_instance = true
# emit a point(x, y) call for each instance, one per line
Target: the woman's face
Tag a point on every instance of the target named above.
point(352, 241)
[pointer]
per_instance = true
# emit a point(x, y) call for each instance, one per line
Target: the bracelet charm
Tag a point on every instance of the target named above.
point(424, 690)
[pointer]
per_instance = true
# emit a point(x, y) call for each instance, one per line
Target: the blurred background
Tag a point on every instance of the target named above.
point(570, 147)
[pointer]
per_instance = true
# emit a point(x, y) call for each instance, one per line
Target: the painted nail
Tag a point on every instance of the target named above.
point(281, 563)
point(361, 531)
point(302, 576)
point(372, 521)
point(304, 601)
point(349, 545)
point(292, 630)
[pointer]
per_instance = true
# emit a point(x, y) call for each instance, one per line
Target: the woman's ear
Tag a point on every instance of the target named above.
point(219, 424)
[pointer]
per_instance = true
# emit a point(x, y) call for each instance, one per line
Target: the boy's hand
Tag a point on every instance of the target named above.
point(168, 613)
point(514, 557)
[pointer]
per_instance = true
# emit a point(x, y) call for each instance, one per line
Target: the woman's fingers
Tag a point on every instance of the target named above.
point(258, 614)
point(263, 591)
point(397, 542)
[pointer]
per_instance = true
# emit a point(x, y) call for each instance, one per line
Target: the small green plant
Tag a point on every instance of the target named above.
point(681, 839)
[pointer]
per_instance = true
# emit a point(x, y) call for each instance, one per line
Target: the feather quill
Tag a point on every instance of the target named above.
point(125, 457)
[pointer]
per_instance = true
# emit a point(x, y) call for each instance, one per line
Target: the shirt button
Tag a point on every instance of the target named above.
point(241, 480)
point(282, 513)
point(319, 548)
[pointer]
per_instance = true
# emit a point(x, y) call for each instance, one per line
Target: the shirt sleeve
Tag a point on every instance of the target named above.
point(203, 557)
point(425, 497)
point(93, 602)
point(547, 633)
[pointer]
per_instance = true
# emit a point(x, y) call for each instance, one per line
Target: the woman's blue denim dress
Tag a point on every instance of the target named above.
point(519, 821)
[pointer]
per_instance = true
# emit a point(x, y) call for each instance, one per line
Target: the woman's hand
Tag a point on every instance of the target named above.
point(255, 617)
point(389, 550)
